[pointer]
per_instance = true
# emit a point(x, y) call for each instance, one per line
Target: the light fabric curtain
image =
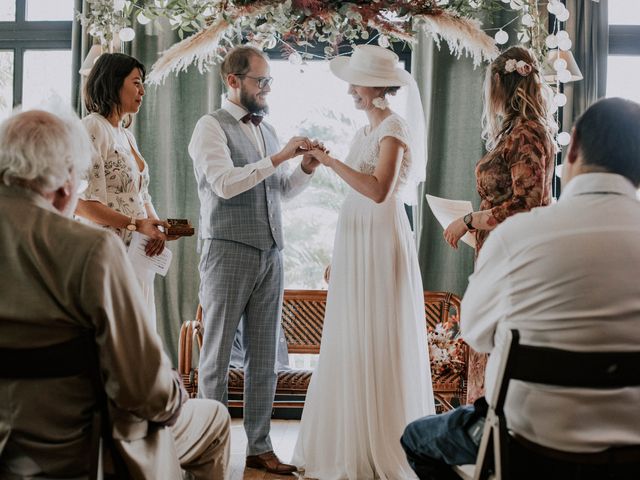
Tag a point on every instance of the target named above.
point(163, 129)
point(588, 27)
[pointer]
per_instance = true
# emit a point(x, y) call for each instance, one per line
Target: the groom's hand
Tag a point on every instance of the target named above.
point(293, 148)
point(309, 164)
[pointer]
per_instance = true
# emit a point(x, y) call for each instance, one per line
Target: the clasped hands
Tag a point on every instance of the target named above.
point(313, 153)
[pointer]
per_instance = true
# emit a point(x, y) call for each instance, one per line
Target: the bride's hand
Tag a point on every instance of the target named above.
point(323, 157)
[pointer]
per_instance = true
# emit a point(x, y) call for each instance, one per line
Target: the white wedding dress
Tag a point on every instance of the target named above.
point(373, 376)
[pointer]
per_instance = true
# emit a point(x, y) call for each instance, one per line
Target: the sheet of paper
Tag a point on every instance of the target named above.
point(157, 264)
point(446, 211)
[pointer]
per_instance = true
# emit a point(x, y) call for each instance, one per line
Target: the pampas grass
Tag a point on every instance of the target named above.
point(199, 48)
point(463, 35)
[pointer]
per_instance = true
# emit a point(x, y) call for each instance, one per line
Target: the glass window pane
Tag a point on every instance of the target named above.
point(622, 77)
point(309, 100)
point(7, 10)
point(624, 12)
point(6, 84)
point(46, 10)
point(47, 73)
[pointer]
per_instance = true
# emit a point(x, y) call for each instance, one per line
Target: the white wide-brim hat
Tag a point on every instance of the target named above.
point(370, 66)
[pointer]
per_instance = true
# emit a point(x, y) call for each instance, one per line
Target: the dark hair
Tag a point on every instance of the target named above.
point(238, 61)
point(102, 90)
point(608, 137)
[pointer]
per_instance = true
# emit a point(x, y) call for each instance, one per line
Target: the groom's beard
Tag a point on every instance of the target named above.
point(253, 105)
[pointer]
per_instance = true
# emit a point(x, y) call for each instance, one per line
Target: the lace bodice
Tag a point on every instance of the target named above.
point(365, 148)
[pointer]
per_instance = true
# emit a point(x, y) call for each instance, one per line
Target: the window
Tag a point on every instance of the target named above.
point(623, 67)
point(35, 52)
point(309, 100)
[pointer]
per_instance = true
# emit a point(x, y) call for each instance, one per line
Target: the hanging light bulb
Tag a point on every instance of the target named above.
point(564, 76)
point(527, 20)
point(564, 44)
point(501, 37)
point(126, 34)
point(142, 18)
point(562, 34)
point(560, 64)
point(564, 138)
point(551, 41)
point(563, 16)
point(560, 99)
point(553, 7)
point(295, 58)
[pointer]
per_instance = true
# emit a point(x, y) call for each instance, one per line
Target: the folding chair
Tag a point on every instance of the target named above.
point(550, 366)
point(75, 357)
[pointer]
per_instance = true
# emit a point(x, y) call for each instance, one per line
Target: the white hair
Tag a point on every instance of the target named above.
point(43, 149)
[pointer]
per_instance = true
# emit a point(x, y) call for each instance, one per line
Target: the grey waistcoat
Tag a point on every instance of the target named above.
point(253, 217)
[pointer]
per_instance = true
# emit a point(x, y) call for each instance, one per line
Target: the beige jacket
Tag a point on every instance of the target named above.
point(57, 279)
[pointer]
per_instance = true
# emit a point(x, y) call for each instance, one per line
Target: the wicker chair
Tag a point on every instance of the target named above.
point(302, 319)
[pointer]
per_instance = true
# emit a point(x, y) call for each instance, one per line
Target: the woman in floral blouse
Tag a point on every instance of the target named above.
point(516, 173)
point(518, 127)
point(117, 196)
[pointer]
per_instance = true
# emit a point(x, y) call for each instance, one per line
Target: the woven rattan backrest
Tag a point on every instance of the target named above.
point(439, 307)
point(303, 316)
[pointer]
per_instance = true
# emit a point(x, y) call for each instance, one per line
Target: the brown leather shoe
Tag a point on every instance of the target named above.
point(271, 463)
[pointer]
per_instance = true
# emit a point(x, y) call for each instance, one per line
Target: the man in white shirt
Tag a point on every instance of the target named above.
point(565, 276)
point(237, 163)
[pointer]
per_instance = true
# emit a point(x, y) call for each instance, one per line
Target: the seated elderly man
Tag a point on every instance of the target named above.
point(566, 276)
point(60, 279)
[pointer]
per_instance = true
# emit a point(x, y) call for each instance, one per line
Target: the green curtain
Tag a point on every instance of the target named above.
point(588, 27)
point(451, 94)
point(163, 129)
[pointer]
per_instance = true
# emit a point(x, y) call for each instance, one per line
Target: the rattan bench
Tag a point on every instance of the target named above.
point(302, 317)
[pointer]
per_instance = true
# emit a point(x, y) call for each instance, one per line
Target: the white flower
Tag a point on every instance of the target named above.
point(510, 65)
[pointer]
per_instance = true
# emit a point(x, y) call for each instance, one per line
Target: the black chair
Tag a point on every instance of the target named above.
point(550, 366)
point(76, 357)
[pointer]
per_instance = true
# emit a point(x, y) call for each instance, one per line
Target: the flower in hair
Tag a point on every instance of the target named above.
point(520, 66)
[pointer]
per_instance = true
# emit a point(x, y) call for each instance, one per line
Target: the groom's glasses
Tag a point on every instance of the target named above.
point(263, 82)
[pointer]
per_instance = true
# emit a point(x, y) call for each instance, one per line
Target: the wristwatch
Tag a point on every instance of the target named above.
point(132, 227)
point(468, 221)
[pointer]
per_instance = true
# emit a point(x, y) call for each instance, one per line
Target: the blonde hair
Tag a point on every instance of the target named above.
point(511, 96)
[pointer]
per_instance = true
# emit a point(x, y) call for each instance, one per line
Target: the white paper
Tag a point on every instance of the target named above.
point(157, 264)
point(446, 211)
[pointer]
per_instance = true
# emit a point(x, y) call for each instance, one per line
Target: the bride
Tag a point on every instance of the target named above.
point(373, 376)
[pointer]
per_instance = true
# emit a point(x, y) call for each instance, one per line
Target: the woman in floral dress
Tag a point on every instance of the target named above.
point(117, 196)
point(516, 173)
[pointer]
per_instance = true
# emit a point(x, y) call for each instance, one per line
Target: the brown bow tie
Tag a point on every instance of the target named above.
point(253, 118)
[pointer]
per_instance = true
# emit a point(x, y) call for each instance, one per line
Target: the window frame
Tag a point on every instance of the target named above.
point(21, 35)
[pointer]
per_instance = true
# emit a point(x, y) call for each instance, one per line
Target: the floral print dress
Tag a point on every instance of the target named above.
point(514, 177)
point(115, 180)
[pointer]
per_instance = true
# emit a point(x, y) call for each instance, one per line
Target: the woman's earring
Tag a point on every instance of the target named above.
point(380, 102)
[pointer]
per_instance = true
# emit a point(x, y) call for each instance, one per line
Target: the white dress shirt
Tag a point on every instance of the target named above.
point(566, 276)
point(212, 158)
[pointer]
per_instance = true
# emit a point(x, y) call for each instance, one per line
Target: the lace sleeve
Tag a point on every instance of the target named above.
point(395, 127)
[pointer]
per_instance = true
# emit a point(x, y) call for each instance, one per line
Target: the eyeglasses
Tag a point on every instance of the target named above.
point(263, 82)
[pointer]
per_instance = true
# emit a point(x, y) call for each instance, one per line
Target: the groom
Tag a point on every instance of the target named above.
point(236, 159)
